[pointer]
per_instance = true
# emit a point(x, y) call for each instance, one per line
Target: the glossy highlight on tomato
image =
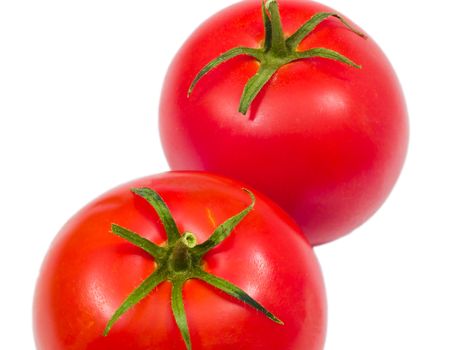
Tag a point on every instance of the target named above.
point(323, 138)
point(90, 270)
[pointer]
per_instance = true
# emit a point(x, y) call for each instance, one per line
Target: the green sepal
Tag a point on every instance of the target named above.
point(235, 292)
point(178, 310)
point(326, 53)
point(141, 292)
point(226, 56)
point(254, 86)
point(224, 229)
point(295, 39)
point(154, 250)
point(162, 210)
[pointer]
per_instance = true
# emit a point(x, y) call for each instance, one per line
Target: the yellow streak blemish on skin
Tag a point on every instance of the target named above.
point(211, 217)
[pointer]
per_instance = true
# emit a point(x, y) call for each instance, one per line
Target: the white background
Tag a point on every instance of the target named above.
point(79, 87)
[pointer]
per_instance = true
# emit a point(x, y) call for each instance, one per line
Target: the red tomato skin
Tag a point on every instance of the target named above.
point(89, 271)
point(324, 140)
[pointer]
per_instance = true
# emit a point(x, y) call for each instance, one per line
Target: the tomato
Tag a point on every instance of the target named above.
point(325, 137)
point(89, 272)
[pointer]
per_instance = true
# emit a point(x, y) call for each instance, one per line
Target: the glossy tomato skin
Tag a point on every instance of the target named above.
point(88, 272)
point(324, 140)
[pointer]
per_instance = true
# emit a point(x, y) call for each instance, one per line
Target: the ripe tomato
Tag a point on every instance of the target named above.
point(324, 139)
point(89, 272)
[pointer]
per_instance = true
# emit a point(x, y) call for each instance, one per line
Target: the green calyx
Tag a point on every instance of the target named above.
point(179, 260)
point(277, 51)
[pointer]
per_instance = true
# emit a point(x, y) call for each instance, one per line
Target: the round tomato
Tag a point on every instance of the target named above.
point(305, 108)
point(180, 261)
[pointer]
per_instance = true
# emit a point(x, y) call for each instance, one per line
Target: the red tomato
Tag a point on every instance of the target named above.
point(325, 140)
point(89, 272)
